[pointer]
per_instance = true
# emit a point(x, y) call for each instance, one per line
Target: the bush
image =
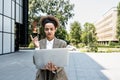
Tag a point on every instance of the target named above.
point(117, 46)
point(31, 45)
point(80, 45)
point(93, 47)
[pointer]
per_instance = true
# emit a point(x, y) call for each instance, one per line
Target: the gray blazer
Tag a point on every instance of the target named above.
point(45, 74)
point(58, 43)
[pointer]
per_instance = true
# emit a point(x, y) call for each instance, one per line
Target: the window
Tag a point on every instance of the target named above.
point(13, 26)
point(0, 22)
point(13, 44)
point(0, 43)
point(21, 13)
point(6, 43)
point(7, 8)
point(17, 13)
point(17, 1)
point(21, 2)
point(0, 6)
point(13, 9)
point(7, 24)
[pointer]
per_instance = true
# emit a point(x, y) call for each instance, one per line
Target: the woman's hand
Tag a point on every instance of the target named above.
point(51, 67)
point(36, 42)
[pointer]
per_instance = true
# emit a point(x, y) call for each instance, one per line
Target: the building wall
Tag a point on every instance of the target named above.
point(106, 26)
point(10, 13)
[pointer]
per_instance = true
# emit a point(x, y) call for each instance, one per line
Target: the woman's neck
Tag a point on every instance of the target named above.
point(49, 39)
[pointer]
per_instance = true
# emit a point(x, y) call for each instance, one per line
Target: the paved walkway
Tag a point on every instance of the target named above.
point(82, 66)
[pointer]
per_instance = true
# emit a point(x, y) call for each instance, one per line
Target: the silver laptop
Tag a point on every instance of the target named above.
point(58, 56)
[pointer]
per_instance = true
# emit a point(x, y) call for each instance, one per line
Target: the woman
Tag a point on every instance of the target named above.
point(50, 71)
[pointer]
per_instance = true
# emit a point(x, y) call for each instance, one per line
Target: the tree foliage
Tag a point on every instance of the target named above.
point(62, 9)
point(75, 32)
point(89, 36)
point(118, 22)
point(61, 33)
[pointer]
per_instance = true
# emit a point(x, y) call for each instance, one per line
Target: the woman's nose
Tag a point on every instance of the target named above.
point(49, 30)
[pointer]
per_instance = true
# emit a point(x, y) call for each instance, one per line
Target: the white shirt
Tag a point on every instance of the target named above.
point(49, 44)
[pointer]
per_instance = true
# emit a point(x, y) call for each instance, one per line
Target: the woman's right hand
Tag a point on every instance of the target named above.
point(36, 42)
point(51, 67)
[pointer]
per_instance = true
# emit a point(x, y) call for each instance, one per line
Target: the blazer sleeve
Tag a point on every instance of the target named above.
point(63, 44)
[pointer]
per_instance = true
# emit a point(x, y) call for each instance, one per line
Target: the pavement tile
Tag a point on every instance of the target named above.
point(82, 66)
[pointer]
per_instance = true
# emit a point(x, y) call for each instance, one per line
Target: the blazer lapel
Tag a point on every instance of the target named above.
point(43, 44)
point(55, 44)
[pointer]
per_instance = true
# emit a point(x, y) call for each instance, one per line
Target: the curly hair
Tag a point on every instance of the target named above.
point(49, 19)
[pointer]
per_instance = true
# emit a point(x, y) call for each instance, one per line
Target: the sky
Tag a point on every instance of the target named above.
point(90, 10)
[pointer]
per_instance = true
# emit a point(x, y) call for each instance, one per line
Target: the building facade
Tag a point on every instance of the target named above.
point(106, 27)
point(13, 25)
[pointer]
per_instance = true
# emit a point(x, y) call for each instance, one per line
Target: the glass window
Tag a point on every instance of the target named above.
point(17, 13)
point(0, 6)
point(17, 1)
point(13, 0)
point(0, 22)
point(13, 43)
point(13, 26)
point(21, 2)
point(13, 9)
point(0, 43)
point(21, 15)
point(7, 8)
point(6, 43)
point(7, 24)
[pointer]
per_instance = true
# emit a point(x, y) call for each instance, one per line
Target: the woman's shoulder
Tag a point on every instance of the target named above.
point(61, 41)
point(42, 40)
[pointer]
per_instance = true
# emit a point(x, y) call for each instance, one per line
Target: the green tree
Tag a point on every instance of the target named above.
point(61, 33)
point(89, 32)
point(75, 32)
point(118, 22)
point(62, 9)
point(84, 37)
point(89, 36)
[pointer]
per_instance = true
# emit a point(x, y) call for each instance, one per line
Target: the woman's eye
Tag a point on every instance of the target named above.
point(51, 29)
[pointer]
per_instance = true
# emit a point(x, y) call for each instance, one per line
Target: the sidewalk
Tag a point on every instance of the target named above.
point(82, 66)
point(17, 66)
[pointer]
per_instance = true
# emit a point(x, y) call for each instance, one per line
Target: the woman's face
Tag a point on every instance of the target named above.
point(50, 30)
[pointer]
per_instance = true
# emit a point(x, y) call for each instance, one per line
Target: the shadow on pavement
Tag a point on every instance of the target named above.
point(83, 67)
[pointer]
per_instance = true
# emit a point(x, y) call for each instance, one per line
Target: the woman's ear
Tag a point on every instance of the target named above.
point(55, 29)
